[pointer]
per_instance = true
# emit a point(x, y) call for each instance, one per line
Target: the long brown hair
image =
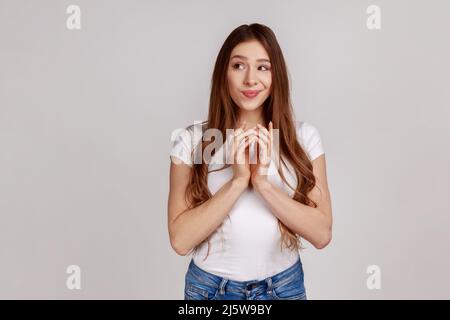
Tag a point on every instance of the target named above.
point(223, 114)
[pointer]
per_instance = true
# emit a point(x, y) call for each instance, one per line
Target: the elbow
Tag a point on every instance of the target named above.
point(181, 252)
point(175, 242)
point(177, 248)
point(324, 240)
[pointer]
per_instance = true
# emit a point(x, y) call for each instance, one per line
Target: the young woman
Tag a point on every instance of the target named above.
point(243, 219)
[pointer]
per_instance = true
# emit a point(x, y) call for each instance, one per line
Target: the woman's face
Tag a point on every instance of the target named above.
point(249, 75)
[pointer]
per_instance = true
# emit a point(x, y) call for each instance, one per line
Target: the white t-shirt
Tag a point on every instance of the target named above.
point(247, 245)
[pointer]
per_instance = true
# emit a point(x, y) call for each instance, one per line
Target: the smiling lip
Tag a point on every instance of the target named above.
point(251, 93)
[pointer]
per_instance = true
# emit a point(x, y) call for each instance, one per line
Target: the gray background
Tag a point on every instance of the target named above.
point(86, 118)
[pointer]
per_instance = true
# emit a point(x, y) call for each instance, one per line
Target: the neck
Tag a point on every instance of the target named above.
point(253, 117)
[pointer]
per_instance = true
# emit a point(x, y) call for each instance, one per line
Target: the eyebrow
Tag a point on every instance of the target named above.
point(245, 58)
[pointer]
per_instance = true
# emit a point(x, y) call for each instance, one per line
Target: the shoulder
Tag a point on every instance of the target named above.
point(306, 130)
point(189, 133)
point(309, 138)
point(184, 140)
point(195, 131)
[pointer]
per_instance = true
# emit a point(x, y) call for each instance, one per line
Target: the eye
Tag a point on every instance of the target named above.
point(236, 65)
point(240, 66)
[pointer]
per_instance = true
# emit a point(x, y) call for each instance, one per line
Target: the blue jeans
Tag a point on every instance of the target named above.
point(286, 285)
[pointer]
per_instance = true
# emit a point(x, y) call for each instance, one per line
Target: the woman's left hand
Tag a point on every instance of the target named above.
point(260, 170)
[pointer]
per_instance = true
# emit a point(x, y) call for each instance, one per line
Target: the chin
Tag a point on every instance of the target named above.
point(249, 106)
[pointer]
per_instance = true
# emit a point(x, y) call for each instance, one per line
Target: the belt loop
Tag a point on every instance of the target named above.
point(269, 285)
point(222, 286)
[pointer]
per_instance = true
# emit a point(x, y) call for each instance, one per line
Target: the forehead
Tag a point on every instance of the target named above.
point(252, 50)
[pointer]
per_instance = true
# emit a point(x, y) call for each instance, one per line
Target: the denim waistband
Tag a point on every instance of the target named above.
point(216, 281)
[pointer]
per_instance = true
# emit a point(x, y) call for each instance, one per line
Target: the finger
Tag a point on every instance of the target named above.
point(238, 138)
point(248, 141)
point(263, 132)
point(245, 143)
point(262, 144)
point(233, 148)
point(239, 156)
point(242, 150)
point(250, 132)
point(264, 156)
point(263, 129)
point(263, 159)
point(236, 156)
point(267, 135)
point(235, 142)
point(264, 138)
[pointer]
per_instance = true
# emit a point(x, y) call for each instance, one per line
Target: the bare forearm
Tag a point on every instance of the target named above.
point(310, 223)
point(193, 226)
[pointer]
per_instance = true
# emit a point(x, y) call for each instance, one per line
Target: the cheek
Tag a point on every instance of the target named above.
point(233, 82)
point(265, 78)
point(268, 87)
point(268, 81)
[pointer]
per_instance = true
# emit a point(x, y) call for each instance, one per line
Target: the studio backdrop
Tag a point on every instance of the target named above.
point(92, 90)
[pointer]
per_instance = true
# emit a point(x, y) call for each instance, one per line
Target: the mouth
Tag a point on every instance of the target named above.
point(251, 93)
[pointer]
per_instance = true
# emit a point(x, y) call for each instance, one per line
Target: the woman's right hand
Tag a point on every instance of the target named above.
point(242, 138)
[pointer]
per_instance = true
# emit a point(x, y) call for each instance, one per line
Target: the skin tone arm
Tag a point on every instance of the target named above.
point(312, 224)
point(188, 228)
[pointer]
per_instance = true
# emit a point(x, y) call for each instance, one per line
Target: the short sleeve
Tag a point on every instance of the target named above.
point(181, 147)
point(310, 139)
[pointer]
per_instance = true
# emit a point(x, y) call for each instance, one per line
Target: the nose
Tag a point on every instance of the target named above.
point(250, 78)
